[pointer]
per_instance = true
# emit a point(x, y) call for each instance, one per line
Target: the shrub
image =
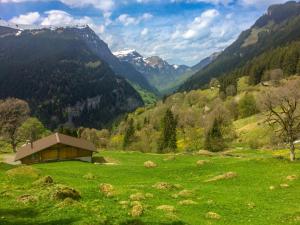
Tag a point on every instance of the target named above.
point(247, 106)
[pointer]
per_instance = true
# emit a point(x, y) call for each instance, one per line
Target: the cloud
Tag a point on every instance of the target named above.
point(62, 18)
point(104, 5)
point(199, 25)
point(144, 32)
point(27, 19)
point(127, 20)
point(260, 3)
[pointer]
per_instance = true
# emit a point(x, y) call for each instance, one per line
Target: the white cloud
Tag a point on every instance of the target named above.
point(201, 23)
point(262, 3)
point(104, 5)
point(144, 32)
point(127, 20)
point(62, 18)
point(26, 19)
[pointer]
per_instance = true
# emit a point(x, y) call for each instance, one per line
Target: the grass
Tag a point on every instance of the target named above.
point(244, 199)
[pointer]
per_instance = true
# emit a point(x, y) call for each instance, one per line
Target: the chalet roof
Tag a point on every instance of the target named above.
point(51, 140)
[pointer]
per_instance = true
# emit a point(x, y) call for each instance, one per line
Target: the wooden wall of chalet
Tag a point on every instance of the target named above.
point(56, 153)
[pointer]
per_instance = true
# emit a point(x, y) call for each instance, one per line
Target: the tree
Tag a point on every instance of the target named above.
point(32, 129)
point(247, 106)
point(13, 112)
point(283, 109)
point(298, 67)
point(129, 134)
point(218, 128)
point(168, 139)
point(214, 140)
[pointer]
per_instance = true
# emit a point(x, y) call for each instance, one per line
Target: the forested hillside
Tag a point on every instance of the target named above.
point(279, 27)
point(62, 79)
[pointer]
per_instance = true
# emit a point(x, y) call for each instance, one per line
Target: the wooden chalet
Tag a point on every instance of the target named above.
point(56, 147)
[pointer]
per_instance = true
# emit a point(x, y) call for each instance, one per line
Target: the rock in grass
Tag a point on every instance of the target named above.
point(107, 189)
point(23, 171)
point(224, 176)
point(137, 210)
point(166, 208)
point(187, 202)
point(150, 164)
point(212, 215)
point(43, 181)
point(26, 198)
point(137, 197)
point(62, 192)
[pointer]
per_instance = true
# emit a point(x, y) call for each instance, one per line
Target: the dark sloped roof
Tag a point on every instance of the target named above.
point(53, 139)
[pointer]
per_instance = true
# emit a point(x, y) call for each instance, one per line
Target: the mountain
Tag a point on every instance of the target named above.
point(61, 77)
point(205, 62)
point(277, 28)
point(157, 71)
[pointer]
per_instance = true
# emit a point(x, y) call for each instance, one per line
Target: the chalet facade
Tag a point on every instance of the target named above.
point(56, 147)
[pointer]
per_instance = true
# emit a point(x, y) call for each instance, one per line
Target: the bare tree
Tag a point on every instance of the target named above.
point(283, 113)
point(13, 112)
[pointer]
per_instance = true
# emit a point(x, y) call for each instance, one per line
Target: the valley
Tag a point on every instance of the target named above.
point(93, 131)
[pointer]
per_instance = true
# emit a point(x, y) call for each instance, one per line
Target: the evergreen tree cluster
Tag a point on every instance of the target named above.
point(168, 139)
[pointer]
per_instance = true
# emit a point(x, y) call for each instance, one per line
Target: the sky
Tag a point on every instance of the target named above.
point(179, 31)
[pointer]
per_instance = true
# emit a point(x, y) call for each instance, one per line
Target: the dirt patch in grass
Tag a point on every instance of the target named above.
point(292, 177)
point(105, 160)
point(224, 176)
point(212, 215)
point(165, 186)
point(23, 171)
point(170, 158)
point(201, 162)
point(150, 164)
point(184, 193)
point(107, 189)
point(137, 197)
point(284, 185)
point(26, 198)
point(187, 202)
point(89, 176)
point(166, 208)
point(62, 192)
point(67, 202)
point(137, 210)
point(206, 153)
point(43, 181)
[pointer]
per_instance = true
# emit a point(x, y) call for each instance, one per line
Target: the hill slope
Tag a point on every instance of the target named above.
point(276, 28)
point(61, 78)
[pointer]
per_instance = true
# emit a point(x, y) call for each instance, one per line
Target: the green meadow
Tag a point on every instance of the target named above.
point(235, 187)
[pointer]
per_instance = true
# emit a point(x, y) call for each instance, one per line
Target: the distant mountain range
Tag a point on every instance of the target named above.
point(277, 28)
point(157, 71)
point(160, 74)
point(67, 74)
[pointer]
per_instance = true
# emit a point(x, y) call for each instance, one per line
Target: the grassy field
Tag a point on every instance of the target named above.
point(264, 189)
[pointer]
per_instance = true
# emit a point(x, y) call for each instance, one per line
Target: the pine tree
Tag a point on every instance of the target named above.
point(298, 67)
point(168, 139)
point(129, 134)
point(214, 140)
